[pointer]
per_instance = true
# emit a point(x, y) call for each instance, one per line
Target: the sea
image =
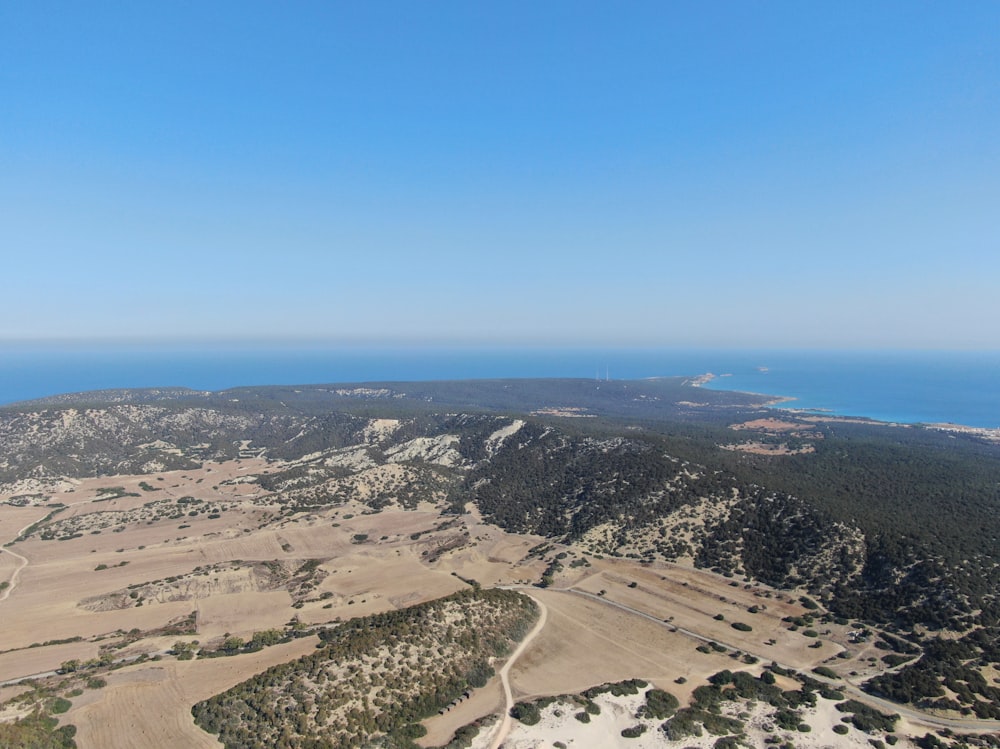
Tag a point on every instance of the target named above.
point(960, 387)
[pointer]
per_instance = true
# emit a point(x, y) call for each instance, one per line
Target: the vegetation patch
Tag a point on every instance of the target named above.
point(373, 676)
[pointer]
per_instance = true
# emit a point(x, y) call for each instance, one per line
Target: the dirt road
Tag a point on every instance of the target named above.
point(504, 728)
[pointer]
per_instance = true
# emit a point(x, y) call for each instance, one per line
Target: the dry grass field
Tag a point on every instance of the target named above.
point(130, 565)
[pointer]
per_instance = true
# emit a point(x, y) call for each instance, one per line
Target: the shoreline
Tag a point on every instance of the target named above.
point(770, 400)
point(826, 414)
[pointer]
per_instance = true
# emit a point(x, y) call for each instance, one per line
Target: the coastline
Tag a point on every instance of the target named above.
point(991, 434)
point(910, 387)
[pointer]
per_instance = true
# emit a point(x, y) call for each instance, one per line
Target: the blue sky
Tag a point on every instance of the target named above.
point(719, 174)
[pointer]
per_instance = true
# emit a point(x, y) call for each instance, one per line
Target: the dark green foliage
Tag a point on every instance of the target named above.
point(36, 731)
point(728, 742)
point(463, 737)
point(555, 484)
point(721, 678)
point(427, 662)
point(634, 732)
point(684, 724)
point(526, 712)
point(689, 721)
point(787, 719)
point(618, 688)
point(866, 718)
point(742, 627)
point(659, 704)
point(895, 659)
point(59, 705)
point(948, 663)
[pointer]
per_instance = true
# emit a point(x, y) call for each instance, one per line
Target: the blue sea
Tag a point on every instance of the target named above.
point(902, 386)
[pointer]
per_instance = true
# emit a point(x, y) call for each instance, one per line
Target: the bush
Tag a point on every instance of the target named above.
point(866, 718)
point(841, 729)
point(526, 712)
point(728, 742)
point(660, 704)
point(741, 627)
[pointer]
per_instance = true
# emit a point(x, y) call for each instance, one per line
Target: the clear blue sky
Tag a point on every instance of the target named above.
point(644, 173)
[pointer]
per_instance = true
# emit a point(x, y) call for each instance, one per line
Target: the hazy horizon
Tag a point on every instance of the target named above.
point(582, 174)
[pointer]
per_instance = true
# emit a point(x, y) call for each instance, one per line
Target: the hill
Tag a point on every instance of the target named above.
point(888, 532)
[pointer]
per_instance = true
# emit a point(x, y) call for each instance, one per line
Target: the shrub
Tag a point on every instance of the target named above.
point(526, 712)
point(866, 718)
point(741, 626)
point(660, 704)
point(728, 742)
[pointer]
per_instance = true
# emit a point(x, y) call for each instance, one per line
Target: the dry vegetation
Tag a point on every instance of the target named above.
point(154, 591)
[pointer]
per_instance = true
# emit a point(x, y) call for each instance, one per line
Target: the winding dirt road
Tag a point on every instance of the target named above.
point(5, 594)
point(504, 728)
point(17, 573)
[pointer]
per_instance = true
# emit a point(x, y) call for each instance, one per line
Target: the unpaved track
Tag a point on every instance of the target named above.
point(23, 563)
point(504, 728)
point(17, 573)
point(956, 724)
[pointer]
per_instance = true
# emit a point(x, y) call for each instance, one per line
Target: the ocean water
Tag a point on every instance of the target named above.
point(906, 387)
point(911, 387)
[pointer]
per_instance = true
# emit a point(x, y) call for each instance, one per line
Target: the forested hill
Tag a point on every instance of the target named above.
point(895, 525)
point(664, 398)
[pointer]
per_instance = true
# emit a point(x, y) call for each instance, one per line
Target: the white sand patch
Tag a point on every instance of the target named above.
point(353, 458)
point(495, 441)
point(440, 450)
point(559, 724)
point(380, 429)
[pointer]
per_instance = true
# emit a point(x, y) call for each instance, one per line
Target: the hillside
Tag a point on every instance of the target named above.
point(891, 531)
point(375, 677)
